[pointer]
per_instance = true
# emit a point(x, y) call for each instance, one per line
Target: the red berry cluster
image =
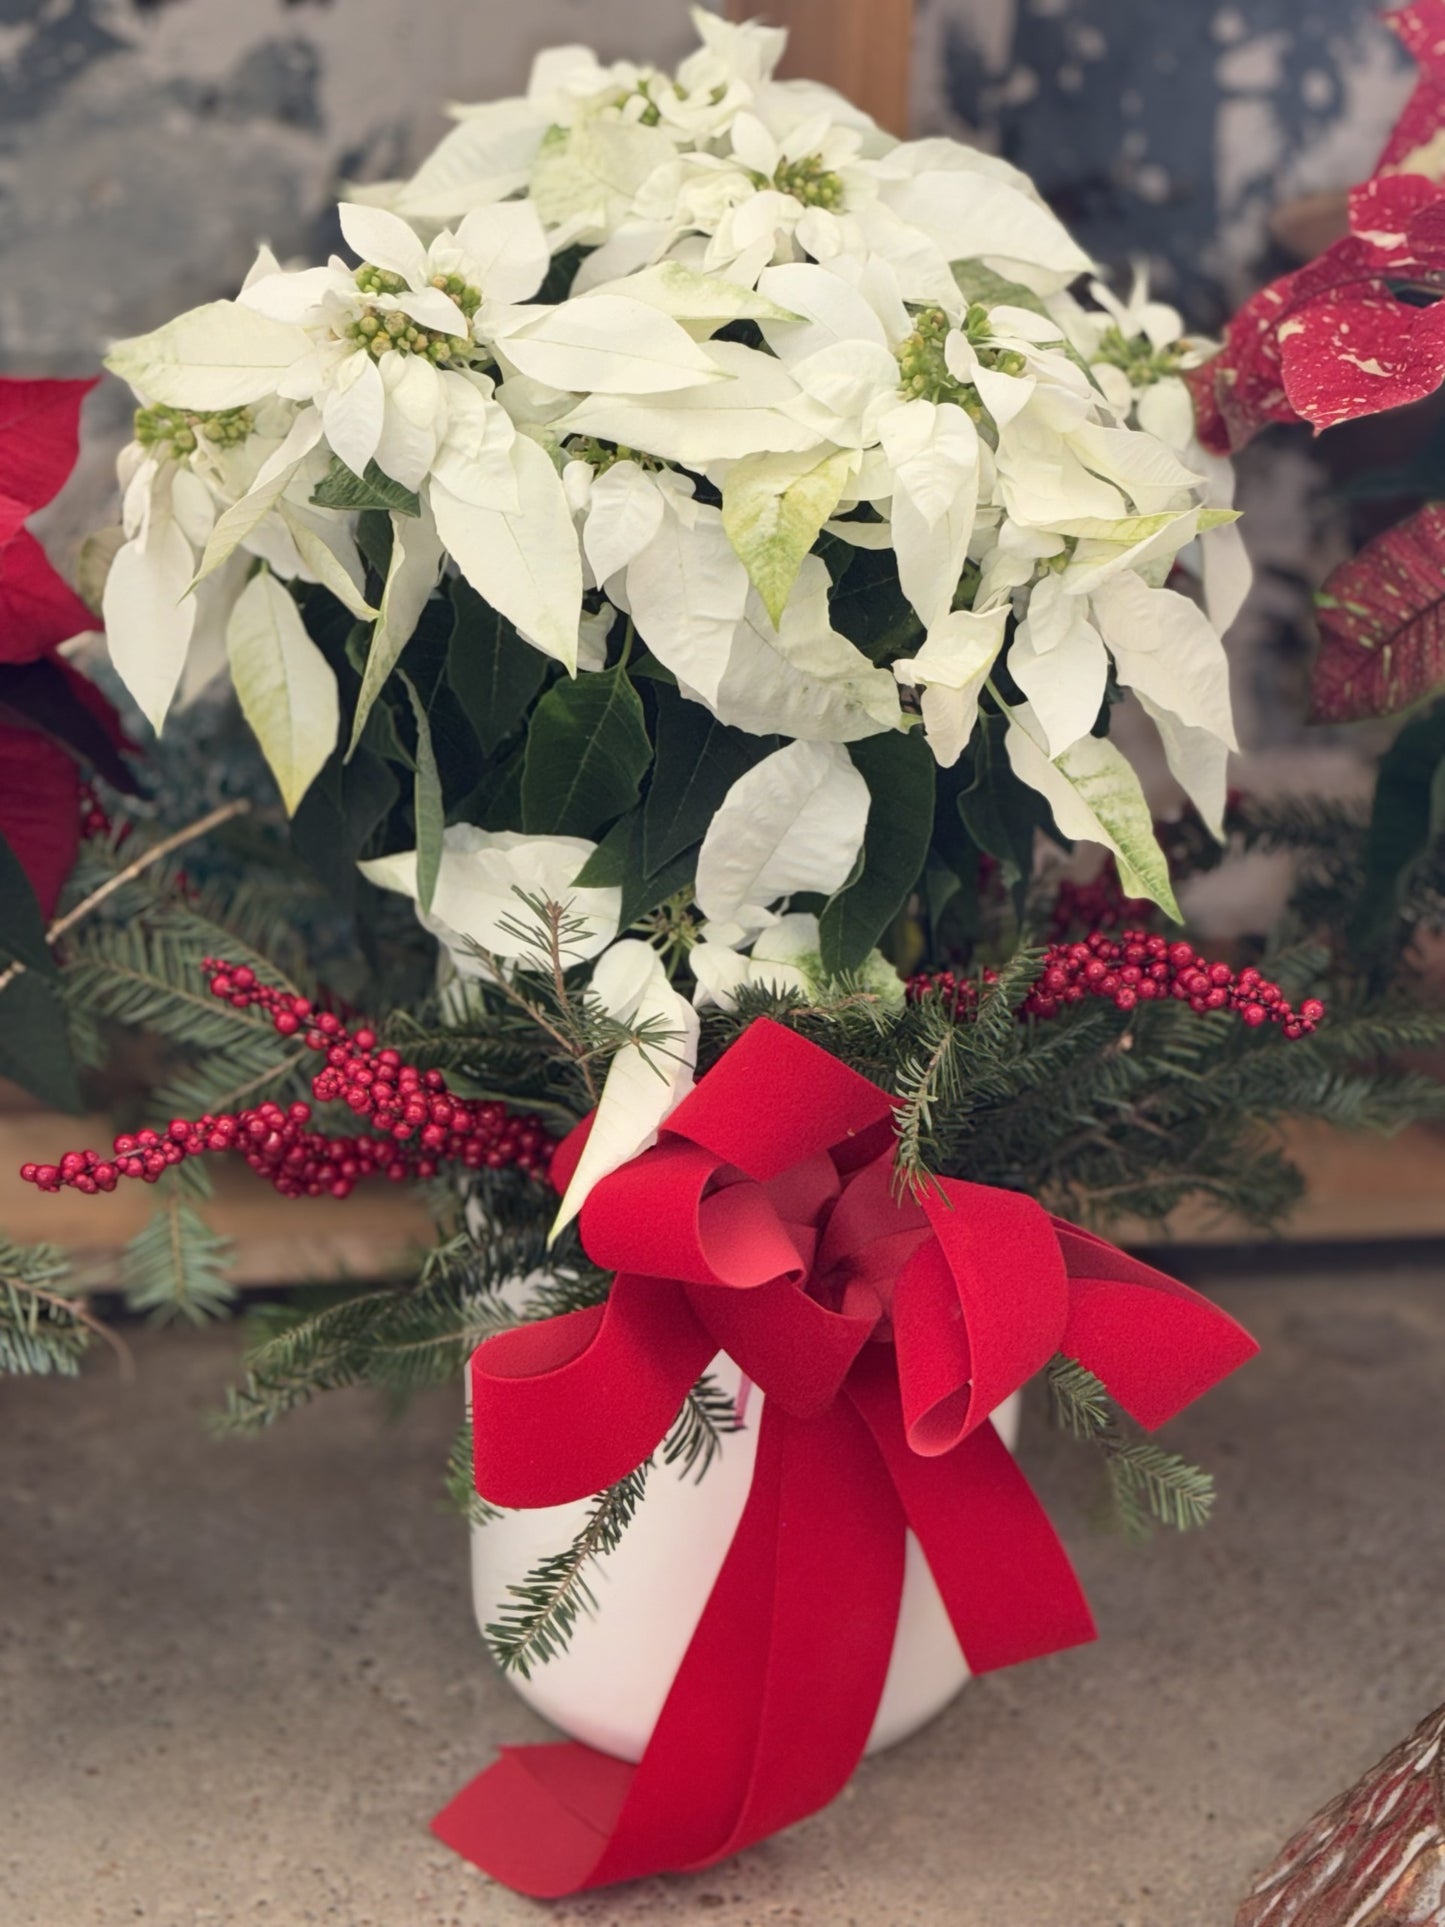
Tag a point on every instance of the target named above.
point(1098, 905)
point(94, 821)
point(416, 1125)
point(1131, 969)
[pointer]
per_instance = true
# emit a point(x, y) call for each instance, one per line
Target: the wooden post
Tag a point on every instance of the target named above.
point(861, 47)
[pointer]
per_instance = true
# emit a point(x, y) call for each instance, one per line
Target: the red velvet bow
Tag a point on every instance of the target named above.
point(883, 1332)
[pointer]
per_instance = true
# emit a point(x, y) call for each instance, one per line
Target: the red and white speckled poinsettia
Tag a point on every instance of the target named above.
point(51, 718)
point(1362, 328)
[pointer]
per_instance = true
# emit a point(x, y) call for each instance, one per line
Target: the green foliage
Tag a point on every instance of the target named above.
point(22, 928)
point(899, 771)
point(496, 676)
point(949, 1065)
point(35, 1045)
point(43, 1328)
point(537, 1620)
point(868, 605)
point(427, 808)
point(394, 1337)
point(175, 1266)
point(619, 862)
point(707, 1417)
point(540, 1613)
point(587, 752)
point(35, 1048)
point(342, 488)
point(1145, 1483)
point(463, 1497)
point(1406, 819)
point(698, 761)
point(998, 812)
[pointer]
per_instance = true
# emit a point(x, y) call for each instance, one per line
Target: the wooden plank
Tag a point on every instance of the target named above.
point(1362, 1189)
point(862, 47)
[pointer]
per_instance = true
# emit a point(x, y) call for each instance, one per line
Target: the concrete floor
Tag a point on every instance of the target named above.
point(236, 1679)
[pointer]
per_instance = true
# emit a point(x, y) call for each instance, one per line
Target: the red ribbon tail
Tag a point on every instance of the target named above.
point(771, 1707)
point(539, 1818)
point(1010, 1589)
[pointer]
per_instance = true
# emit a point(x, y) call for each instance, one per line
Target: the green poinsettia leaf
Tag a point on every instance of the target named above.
point(342, 488)
point(900, 772)
point(587, 751)
point(1407, 817)
point(35, 1042)
point(618, 862)
point(494, 674)
point(427, 800)
point(22, 926)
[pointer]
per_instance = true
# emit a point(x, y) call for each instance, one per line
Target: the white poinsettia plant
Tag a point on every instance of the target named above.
point(726, 513)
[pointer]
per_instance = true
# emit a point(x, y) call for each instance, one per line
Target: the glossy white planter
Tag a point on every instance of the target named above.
point(608, 1687)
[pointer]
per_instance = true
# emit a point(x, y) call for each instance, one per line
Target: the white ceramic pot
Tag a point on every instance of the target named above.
point(608, 1687)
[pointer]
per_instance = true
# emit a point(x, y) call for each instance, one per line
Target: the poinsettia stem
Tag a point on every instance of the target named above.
point(224, 813)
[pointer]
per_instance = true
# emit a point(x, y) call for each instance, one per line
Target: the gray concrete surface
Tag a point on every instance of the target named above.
point(235, 1680)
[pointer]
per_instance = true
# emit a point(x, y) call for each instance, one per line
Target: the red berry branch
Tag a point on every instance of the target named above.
point(416, 1124)
point(1131, 969)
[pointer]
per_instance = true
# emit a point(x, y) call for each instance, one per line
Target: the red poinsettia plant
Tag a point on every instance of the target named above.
point(1356, 332)
point(56, 727)
point(53, 721)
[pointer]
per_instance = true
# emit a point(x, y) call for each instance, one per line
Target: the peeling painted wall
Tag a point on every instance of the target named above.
point(146, 145)
point(1167, 128)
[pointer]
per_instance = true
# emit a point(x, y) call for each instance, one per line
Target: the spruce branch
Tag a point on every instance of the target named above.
point(176, 1266)
point(708, 1415)
point(540, 1614)
point(1080, 1404)
point(463, 1497)
point(1145, 1483)
point(1144, 1477)
point(44, 1326)
point(157, 852)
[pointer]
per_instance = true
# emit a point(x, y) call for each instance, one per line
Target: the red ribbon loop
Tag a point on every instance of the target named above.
point(883, 1332)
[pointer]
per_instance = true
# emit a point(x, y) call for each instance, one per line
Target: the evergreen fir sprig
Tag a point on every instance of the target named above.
point(394, 1338)
point(45, 1326)
point(1145, 1483)
point(586, 1035)
point(461, 1484)
point(539, 1616)
point(946, 1064)
point(540, 1613)
point(708, 1416)
point(176, 1266)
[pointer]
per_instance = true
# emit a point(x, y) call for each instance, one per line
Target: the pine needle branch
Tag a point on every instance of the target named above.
point(45, 1328)
point(537, 1620)
point(1145, 1483)
point(461, 1485)
point(708, 1416)
point(157, 853)
point(176, 1266)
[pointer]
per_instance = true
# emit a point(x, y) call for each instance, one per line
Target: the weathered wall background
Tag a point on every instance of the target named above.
point(147, 145)
point(1168, 129)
